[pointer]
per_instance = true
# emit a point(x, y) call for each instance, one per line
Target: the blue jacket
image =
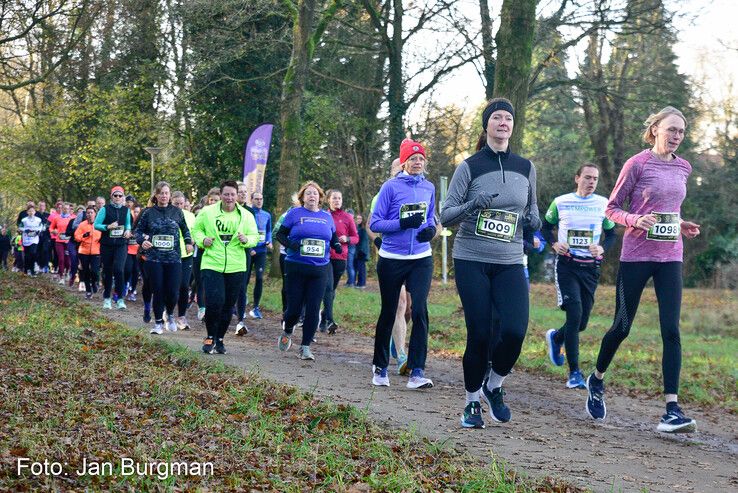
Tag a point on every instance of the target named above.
point(403, 195)
point(264, 225)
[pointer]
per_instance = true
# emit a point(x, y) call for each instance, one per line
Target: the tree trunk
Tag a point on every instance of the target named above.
point(488, 49)
point(396, 90)
point(514, 57)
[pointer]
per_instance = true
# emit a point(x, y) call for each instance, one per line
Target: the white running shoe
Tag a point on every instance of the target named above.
point(182, 323)
point(380, 377)
point(241, 329)
point(157, 329)
point(81, 287)
point(171, 324)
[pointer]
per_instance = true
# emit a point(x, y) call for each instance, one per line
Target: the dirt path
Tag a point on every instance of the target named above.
point(550, 433)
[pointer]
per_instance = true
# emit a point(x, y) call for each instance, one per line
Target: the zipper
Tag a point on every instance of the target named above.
point(501, 168)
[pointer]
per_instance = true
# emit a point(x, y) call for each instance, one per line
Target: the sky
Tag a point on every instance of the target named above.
point(703, 32)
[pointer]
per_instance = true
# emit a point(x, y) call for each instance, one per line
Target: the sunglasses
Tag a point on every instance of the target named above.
point(117, 195)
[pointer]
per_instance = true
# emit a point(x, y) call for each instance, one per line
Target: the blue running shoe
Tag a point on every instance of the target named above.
point(472, 417)
point(554, 350)
point(576, 380)
point(674, 421)
point(255, 313)
point(596, 398)
point(497, 408)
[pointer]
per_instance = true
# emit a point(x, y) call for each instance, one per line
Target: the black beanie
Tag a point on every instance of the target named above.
point(497, 105)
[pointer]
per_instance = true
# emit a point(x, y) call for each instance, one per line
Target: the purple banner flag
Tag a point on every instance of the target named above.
point(255, 156)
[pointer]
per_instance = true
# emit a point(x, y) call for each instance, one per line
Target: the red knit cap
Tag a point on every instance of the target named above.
point(117, 188)
point(408, 147)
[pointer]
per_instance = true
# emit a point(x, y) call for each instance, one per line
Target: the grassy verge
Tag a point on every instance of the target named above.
point(709, 336)
point(76, 387)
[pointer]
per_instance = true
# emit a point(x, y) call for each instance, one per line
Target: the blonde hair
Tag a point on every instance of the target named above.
point(656, 118)
point(301, 192)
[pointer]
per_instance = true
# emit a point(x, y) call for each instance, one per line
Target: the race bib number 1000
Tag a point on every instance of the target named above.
point(163, 242)
point(666, 227)
point(312, 248)
point(497, 225)
point(579, 238)
point(407, 210)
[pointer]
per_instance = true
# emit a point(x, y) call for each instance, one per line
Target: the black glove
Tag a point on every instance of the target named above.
point(378, 242)
point(294, 245)
point(426, 234)
point(484, 200)
point(337, 248)
point(413, 221)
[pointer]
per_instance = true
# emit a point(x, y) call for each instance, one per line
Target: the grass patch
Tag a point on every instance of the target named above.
point(78, 387)
point(709, 336)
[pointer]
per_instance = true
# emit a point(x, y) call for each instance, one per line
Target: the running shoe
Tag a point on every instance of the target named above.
point(201, 313)
point(115, 297)
point(418, 381)
point(596, 398)
point(88, 296)
point(472, 416)
point(322, 326)
point(554, 349)
point(182, 323)
point(121, 305)
point(674, 421)
point(131, 296)
point(497, 408)
point(207, 345)
point(61, 280)
point(107, 304)
point(157, 329)
point(171, 324)
point(402, 365)
point(255, 313)
point(285, 340)
point(147, 313)
point(305, 353)
point(380, 378)
point(81, 287)
point(220, 347)
point(241, 329)
point(576, 380)
point(301, 322)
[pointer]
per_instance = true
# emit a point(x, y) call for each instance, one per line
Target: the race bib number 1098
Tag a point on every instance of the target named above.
point(666, 227)
point(497, 224)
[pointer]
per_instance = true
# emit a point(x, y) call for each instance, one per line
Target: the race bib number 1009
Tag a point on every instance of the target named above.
point(497, 224)
point(666, 227)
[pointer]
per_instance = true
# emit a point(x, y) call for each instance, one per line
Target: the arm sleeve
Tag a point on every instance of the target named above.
point(334, 239)
point(198, 230)
point(128, 220)
point(621, 193)
point(547, 232)
point(455, 209)
point(251, 230)
point(99, 218)
point(610, 238)
point(282, 235)
point(268, 237)
point(381, 222)
point(142, 226)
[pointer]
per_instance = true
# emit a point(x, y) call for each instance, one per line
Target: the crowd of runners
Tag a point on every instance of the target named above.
point(181, 253)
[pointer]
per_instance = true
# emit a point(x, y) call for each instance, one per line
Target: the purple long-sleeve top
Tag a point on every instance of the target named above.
point(647, 185)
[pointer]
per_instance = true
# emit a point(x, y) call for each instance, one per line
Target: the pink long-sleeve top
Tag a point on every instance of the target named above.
point(345, 226)
point(647, 184)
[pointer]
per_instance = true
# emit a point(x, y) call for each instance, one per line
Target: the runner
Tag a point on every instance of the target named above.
point(492, 197)
point(114, 221)
point(30, 227)
point(347, 235)
point(158, 232)
point(581, 221)
point(223, 230)
point(5, 246)
point(178, 201)
point(131, 272)
point(89, 251)
point(211, 198)
point(58, 230)
point(404, 214)
point(308, 233)
point(362, 252)
point(258, 254)
point(44, 239)
point(653, 183)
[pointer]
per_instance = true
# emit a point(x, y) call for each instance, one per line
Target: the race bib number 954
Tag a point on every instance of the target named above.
point(312, 248)
point(666, 227)
point(497, 224)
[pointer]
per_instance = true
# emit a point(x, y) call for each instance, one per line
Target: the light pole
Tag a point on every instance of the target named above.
point(153, 151)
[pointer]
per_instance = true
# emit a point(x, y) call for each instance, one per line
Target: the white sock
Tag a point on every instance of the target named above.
point(472, 396)
point(494, 381)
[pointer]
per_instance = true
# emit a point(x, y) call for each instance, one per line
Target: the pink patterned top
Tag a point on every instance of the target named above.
point(648, 185)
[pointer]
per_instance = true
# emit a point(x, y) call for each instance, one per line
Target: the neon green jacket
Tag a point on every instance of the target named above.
point(226, 254)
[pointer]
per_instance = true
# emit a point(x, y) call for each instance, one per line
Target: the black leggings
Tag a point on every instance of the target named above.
point(667, 282)
point(145, 283)
point(184, 286)
point(29, 258)
point(485, 290)
point(257, 265)
point(222, 292)
point(90, 271)
point(337, 268)
point(305, 286)
point(113, 259)
point(131, 271)
point(416, 274)
point(576, 284)
point(164, 279)
point(283, 272)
